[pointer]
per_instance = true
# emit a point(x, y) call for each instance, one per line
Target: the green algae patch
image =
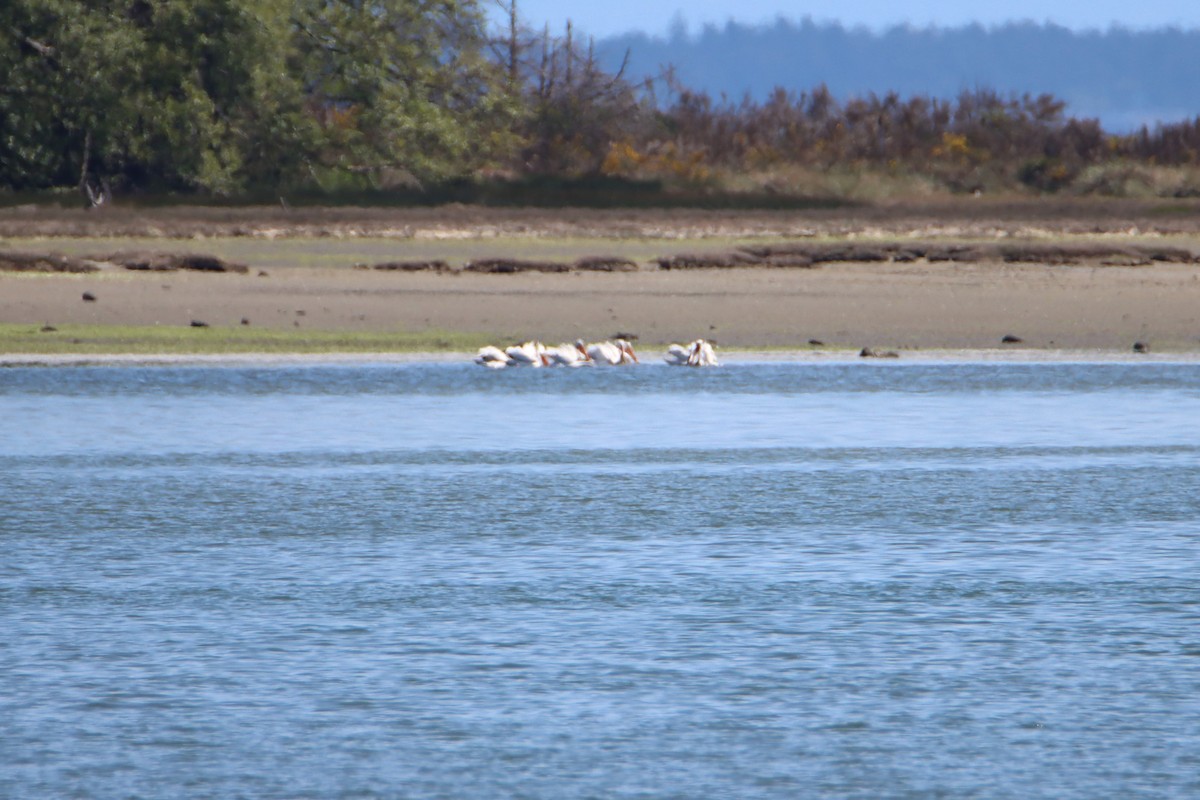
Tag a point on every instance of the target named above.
point(217, 340)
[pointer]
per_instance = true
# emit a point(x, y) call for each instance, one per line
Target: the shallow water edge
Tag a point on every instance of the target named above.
point(651, 357)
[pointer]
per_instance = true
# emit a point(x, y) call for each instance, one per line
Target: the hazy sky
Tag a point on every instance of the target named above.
point(619, 16)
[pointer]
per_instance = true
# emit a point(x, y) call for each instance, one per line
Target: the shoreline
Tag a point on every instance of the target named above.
point(727, 358)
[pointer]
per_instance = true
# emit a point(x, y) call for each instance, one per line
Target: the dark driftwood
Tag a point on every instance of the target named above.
point(43, 262)
point(511, 265)
point(810, 254)
point(1172, 255)
point(605, 264)
point(709, 261)
point(436, 265)
point(171, 262)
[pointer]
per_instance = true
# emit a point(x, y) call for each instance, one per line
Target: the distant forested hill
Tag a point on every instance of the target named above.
point(1125, 78)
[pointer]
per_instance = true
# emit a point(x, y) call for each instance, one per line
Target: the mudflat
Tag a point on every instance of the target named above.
point(1068, 275)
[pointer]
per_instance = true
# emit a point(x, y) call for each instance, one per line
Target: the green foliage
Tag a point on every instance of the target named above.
point(401, 87)
point(224, 95)
point(174, 94)
point(63, 65)
point(236, 98)
point(184, 340)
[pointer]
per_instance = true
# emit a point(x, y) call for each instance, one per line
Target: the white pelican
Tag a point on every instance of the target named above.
point(698, 353)
point(677, 355)
point(702, 355)
point(612, 353)
point(492, 357)
point(568, 355)
point(527, 354)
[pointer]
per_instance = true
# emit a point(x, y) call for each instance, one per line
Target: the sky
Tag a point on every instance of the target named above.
point(610, 17)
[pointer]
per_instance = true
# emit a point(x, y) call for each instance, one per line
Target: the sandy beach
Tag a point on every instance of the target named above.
point(844, 306)
point(298, 283)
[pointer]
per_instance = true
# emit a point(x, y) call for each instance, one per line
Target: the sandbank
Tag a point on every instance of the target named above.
point(907, 306)
point(918, 307)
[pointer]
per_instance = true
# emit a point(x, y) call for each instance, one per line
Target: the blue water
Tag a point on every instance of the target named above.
point(764, 580)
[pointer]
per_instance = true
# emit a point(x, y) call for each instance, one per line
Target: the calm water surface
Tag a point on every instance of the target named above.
point(765, 580)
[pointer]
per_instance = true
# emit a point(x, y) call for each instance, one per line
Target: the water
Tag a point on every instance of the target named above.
point(765, 580)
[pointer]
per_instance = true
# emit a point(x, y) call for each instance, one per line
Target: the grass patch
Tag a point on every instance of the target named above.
point(162, 340)
point(602, 192)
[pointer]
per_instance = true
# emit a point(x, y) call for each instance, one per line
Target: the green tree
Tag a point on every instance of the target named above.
point(224, 111)
point(403, 88)
point(64, 66)
point(172, 94)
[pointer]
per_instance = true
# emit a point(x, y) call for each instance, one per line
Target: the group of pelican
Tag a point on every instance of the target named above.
point(579, 354)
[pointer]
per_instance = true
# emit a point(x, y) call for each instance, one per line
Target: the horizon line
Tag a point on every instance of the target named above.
point(680, 27)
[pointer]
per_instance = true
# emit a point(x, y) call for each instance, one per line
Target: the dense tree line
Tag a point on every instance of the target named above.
point(221, 95)
point(227, 97)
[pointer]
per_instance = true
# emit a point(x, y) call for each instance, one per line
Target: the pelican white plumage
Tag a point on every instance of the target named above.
point(699, 353)
point(492, 357)
point(612, 353)
point(677, 355)
point(527, 354)
point(703, 354)
point(568, 355)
